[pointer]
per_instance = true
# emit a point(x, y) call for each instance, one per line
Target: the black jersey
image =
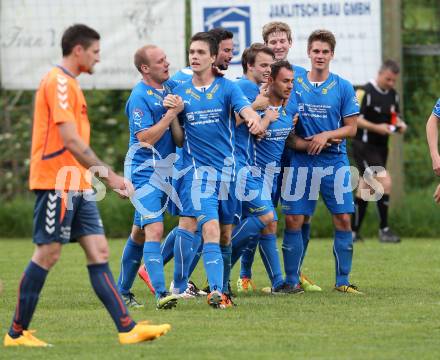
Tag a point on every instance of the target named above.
point(376, 107)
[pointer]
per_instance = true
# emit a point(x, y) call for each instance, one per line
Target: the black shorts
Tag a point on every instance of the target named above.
point(366, 155)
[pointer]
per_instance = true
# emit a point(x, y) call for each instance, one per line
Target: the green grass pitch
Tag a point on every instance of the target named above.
point(398, 318)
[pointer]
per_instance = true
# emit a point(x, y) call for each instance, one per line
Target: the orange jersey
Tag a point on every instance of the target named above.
point(58, 99)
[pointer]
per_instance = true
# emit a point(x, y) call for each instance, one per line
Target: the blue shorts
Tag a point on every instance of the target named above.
point(327, 174)
point(173, 209)
point(255, 194)
point(208, 199)
point(65, 216)
point(149, 207)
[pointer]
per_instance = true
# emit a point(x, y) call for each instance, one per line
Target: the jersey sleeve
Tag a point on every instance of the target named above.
point(436, 110)
point(350, 104)
point(139, 114)
point(61, 98)
point(238, 100)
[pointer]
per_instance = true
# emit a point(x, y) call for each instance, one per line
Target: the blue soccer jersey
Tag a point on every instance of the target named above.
point(209, 123)
point(323, 108)
point(436, 110)
point(271, 147)
point(183, 75)
point(144, 109)
point(244, 140)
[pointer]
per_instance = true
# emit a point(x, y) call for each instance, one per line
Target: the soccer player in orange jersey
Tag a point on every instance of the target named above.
point(65, 210)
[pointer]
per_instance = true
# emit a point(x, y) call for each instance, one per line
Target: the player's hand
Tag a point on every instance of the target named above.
point(178, 105)
point(437, 194)
point(317, 143)
point(254, 127)
point(271, 114)
point(383, 129)
point(217, 72)
point(436, 164)
point(401, 127)
point(120, 185)
point(169, 101)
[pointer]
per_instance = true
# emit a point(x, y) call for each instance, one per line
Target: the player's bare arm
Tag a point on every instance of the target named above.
point(382, 129)
point(432, 137)
point(319, 141)
point(252, 120)
point(87, 158)
point(155, 133)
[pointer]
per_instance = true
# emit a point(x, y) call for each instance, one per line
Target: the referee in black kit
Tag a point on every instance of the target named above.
point(379, 118)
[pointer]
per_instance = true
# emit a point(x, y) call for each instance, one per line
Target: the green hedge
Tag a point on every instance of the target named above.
point(416, 216)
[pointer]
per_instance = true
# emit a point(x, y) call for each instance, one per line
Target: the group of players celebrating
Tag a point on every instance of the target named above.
point(220, 154)
point(275, 134)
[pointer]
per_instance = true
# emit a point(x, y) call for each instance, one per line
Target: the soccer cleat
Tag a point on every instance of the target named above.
point(386, 235)
point(214, 299)
point(131, 301)
point(293, 289)
point(245, 284)
point(166, 301)
point(308, 285)
point(356, 236)
point(226, 301)
point(352, 289)
point(195, 289)
point(143, 274)
point(143, 331)
point(25, 339)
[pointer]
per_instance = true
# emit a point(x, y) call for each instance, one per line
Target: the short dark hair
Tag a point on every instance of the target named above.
point(277, 66)
point(324, 36)
point(78, 34)
point(390, 65)
point(250, 54)
point(208, 38)
point(221, 34)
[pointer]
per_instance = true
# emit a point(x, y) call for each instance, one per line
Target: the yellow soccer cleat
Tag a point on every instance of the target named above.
point(143, 331)
point(352, 289)
point(26, 339)
point(308, 285)
point(245, 284)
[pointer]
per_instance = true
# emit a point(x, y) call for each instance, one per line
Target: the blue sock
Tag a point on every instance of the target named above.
point(31, 283)
point(197, 252)
point(182, 257)
point(271, 259)
point(246, 229)
point(247, 258)
point(212, 259)
point(226, 255)
point(104, 286)
point(305, 231)
point(292, 253)
point(343, 251)
point(167, 246)
point(130, 261)
point(154, 263)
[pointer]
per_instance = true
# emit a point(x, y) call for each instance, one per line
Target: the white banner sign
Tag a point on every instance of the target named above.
point(356, 25)
point(31, 30)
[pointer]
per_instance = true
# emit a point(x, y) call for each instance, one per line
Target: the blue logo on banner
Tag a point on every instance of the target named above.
point(235, 19)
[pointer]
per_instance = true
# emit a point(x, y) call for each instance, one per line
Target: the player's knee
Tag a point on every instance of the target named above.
point(100, 255)
point(267, 218)
point(271, 228)
point(211, 232)
point(154, 232)
point(342, 222)
point(47, 255)
point(294, 222)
